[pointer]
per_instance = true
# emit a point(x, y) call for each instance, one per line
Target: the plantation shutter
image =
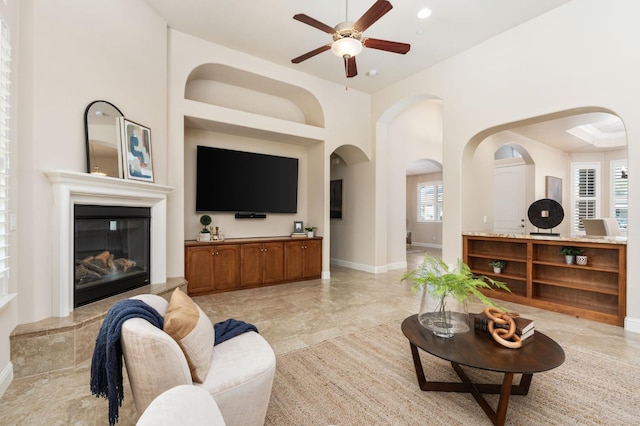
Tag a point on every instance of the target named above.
point(619, 191)
point(5, 92)
point(585, 193)
point(430, 201)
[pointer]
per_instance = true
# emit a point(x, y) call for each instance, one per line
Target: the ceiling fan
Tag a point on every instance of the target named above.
point(348, 40)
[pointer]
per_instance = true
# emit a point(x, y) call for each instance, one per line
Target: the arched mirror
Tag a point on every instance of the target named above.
point(101, 133)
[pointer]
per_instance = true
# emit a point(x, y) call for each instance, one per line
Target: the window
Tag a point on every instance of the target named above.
point(619, 185)
point(429, 201)
point(5, 91)
point(585, 194)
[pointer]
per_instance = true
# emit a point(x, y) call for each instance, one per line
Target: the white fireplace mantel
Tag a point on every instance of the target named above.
point(70, 188)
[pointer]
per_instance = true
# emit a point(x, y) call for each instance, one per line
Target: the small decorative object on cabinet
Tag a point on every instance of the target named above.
point(445, 291)
point(205, 221)
point(497, 265)
point(581, 260)
point(310, 230)
point(570, 253)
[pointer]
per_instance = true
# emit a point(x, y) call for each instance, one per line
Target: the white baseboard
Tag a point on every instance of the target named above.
point(356, 266)
point(428, 245)
point(632, 324)
point(369, 268)
point(6, 377)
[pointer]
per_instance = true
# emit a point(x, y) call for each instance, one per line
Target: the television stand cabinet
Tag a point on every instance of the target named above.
point(537, 275)
point(237, 263)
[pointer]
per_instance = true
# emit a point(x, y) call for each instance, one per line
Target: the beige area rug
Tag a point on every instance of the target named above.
point(368, 378)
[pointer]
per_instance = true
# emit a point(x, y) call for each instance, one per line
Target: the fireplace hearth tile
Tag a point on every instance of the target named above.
point(56, 343)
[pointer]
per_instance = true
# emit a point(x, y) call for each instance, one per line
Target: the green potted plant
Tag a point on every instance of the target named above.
point(310, 230)
point(570, 253)
point(445, 292)
point(497, 265)
point(205, 221)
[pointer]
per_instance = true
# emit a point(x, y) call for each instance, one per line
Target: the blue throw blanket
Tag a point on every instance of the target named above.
point(231, 328)
point(106, 364)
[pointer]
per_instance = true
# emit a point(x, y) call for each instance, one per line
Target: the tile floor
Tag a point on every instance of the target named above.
point(290, 316)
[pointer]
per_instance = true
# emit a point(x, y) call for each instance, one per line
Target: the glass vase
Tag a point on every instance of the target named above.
point(443, 315)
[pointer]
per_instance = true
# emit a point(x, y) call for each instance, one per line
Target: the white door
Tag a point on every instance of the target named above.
point(510, 209)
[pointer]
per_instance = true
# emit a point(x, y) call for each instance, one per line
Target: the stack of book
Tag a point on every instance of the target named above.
point(298, 234)
point(524, 327)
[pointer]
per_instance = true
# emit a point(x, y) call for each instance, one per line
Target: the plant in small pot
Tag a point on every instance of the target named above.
point(310, 230)
point(445, 292)
point(570, 253)
point(497, 265)
point(205, 234)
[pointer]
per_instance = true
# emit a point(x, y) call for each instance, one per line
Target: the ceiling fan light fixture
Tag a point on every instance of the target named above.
point(346, 47)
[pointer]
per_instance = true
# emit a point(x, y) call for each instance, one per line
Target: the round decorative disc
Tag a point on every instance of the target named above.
point(546, 213)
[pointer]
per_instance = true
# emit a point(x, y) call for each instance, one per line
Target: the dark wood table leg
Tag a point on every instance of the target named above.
point(505, 390)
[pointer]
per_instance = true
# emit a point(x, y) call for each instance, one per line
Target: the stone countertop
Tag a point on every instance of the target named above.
point(605, 240)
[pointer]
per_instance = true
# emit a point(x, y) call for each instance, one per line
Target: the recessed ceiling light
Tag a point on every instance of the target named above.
point(372, 73)
point(424, 13)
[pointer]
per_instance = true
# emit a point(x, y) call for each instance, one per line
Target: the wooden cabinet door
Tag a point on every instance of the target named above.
point(226, 267)
point(312, 259)
point(251, 259)
point(293, 260)
point(199, 269)
point(273, 264)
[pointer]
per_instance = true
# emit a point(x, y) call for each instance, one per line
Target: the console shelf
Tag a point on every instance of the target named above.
point(537, 275)
point(233, 264)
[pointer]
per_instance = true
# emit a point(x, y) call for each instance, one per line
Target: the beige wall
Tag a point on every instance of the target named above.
point(543, 66)
point(75, 52)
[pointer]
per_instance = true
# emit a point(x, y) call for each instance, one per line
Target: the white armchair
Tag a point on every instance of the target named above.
point(182, 405)
point(239, 379)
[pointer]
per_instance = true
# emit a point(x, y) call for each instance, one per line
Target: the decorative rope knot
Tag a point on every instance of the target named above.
point(506, 337)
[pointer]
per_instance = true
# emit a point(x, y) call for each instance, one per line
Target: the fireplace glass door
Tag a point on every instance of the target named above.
point(111, 251)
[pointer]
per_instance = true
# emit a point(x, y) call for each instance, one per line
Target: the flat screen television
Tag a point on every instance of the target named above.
point(245, 182)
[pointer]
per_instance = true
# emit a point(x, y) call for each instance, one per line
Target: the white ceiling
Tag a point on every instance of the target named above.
point(266, 29)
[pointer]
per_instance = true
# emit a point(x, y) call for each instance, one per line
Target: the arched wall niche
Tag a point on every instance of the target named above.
point(350, 154)
point(234, 88)
point(477, 166)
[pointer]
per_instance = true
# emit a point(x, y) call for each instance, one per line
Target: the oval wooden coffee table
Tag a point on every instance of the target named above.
point(477, 349)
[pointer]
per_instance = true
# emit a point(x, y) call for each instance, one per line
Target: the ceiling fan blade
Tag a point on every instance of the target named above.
point(311, 54)
point(389, 46)
point(350, 68)
point(314, 23)
point(375, 12)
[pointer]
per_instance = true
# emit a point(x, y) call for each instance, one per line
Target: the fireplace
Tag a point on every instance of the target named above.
point(111, 249)
point(76, 188)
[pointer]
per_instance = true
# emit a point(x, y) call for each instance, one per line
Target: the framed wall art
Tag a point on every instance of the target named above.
point(136, 150)
point(335, 199)
point(554, 188)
